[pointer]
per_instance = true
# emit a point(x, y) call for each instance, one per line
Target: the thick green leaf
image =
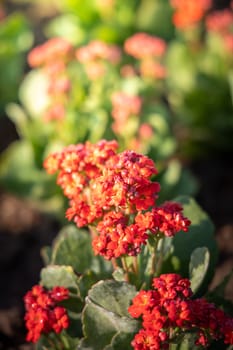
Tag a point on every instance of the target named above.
point(106, 313)
point(198, 267)
point(120, 341)
point(54, 275)
point(187, 342)
point(175, 180)
point(73, 247)
point(181, 67)
point(200, 234)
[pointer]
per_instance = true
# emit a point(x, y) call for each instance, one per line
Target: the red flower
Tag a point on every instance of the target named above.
point(53, 50)
point(167, 219)
point(43, 314)
point(188, 13)
point(116, 238)
point(143, 45)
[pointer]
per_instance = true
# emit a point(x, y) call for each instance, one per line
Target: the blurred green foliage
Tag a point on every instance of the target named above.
point(16, 38)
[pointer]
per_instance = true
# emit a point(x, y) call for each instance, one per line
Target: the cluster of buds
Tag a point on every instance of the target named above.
point(189, 13)
point(168, 311)
point(53, 57)
point(96, 56)
point(43, 312)
point(148, 50)
point(114, 192)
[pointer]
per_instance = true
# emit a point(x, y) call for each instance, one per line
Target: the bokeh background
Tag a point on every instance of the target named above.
point(200, 100)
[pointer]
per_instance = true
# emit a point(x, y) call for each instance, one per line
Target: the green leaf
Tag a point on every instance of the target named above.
point(34, 84)
point(54, 275)
point(119, 274)
point(46, 254)
point(120, 341)
point(18, 116)
point(155, 16)
point(181, 67)
point(200, 234)
point(175, 180)
point(187, 342)
point(106, 312)
point(73, 247)
point(198, 267)
point(219, 290)
point(217, 295)
point(66, 26)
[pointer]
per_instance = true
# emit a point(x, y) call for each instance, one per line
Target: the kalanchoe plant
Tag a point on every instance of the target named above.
point(97, 90)
point(95, 292)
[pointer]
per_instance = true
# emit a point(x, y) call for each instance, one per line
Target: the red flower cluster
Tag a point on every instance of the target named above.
point(149, 50)
point(188, 13)
point(168, 310)
point(142, 45)
point(167, 219)
point(53, 57)
point(221, 22)
point(117, 238)
point(55, 49)
point(43, 313)
point(79, 166)
point(95, 54)
point(114, 192)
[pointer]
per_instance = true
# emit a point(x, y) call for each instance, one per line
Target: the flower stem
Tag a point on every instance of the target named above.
point(114, 263)
point(125, 268)
point(154, 257)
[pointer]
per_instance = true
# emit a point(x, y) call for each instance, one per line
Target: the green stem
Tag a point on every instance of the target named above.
point(114, 263)
point(135, 265)
point(160, 256)
point(55, 343)
point(64, 341)
point(154, 258)
point(125, 268)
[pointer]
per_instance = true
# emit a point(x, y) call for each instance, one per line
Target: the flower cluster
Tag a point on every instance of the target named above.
point(43, 313)
point(142, 45)
point(221, 23)
point(188, 13)
point(96, 55)
point(114, 193)
point(53, 57)
point(79, 165)
point(148, 50)
point(168, 310)
point(166, 219)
